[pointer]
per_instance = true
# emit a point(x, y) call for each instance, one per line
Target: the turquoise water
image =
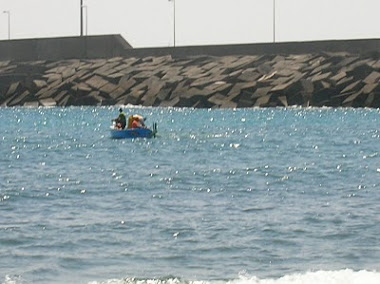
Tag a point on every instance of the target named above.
point(220, 196)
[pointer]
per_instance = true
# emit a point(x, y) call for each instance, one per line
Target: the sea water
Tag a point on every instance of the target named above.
point(245, 196)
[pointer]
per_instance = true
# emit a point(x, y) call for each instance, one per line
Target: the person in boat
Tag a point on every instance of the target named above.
point(121, 120)
point(138, 122)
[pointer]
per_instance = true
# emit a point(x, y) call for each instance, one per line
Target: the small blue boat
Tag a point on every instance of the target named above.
point(134, 132)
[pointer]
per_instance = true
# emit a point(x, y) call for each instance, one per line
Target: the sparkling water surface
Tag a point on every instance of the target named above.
point(242, 196)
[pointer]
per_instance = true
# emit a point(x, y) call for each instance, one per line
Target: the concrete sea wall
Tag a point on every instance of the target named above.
point(104, 46)
point(305, 74)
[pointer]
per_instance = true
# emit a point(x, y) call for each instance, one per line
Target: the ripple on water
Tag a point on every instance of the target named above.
point(272, 191)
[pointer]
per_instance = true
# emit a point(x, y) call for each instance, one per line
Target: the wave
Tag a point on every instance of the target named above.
point(346, 276)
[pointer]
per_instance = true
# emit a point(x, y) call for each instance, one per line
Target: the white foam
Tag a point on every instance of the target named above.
point(346, 276)
point(8, 279)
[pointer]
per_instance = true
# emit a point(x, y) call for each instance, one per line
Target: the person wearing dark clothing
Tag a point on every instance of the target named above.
point(121, 120)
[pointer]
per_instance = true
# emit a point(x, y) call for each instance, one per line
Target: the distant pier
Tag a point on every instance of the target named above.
point(106, 70)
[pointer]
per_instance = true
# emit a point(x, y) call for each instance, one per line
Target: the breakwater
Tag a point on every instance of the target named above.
point(317, 78)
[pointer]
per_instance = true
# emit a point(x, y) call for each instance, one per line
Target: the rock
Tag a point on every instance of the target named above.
point(96, 82)
point(131, 61)
point(68, 72)
point(52, 77)
point(93, 99)
point(262, 101)
point(171, 79)
point(117, 93)
point(348, 101)
point(13, 88)
point(209, 66)
point(265, 69)
point(347, 61)
point(244, 61)
point(45, 93)
point(320, 77)
point(202, 104)
point(57, 70)
point(217, 99)
point(83, 87)
point(7, 100)
point(325, 85)
point(161, 59)
point(116, 75)
point(359, 69)
point(194, 97)
point(194, 72)
point(249, 75)
point(298, 98)
point(32, 104)
point(336, 78)
point(149, 100)
point(133, 97)
point(85, 66)
point(245, 99)
point(65, 101)
point(376, 65)
point(344, 82)
point(372, 78)
point(207, 81)
point(307, 86)
point(267, 77)
point(261, 92)
point(48, 102)
point(20, 99)
point(115, 59)
point(83, 75)
point(126, 82)
point(351, 87)
point(285, 72)
point(280, 87)
point(234, 74)
point(144, 75)
point(179, 89)
point(97, 63)
point(370, 99)
point(163, 94)
point(61, 96)
point(228, 104)
point(283, 100)
point(171, 103)
point(55, 84)
point(96, 97)
point(38, 84)
point(219, 86)
point(314, 63)
point(237, 89)
point(108, 88)
point(154, 85)
point(4, 63)
point(369, 88)
point(322, 69)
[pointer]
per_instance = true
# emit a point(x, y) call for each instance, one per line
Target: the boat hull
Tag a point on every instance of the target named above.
point(132, 133)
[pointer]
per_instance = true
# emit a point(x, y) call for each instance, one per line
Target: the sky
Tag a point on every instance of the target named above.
point(150, 23)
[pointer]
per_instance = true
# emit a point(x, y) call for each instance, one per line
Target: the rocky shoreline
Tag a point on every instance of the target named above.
point(334, 79)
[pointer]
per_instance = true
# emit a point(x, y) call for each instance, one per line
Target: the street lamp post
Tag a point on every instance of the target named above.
point(85, 7)
point(81, 17)
point(274, 20)
point(9, 23)
point(173, 20)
